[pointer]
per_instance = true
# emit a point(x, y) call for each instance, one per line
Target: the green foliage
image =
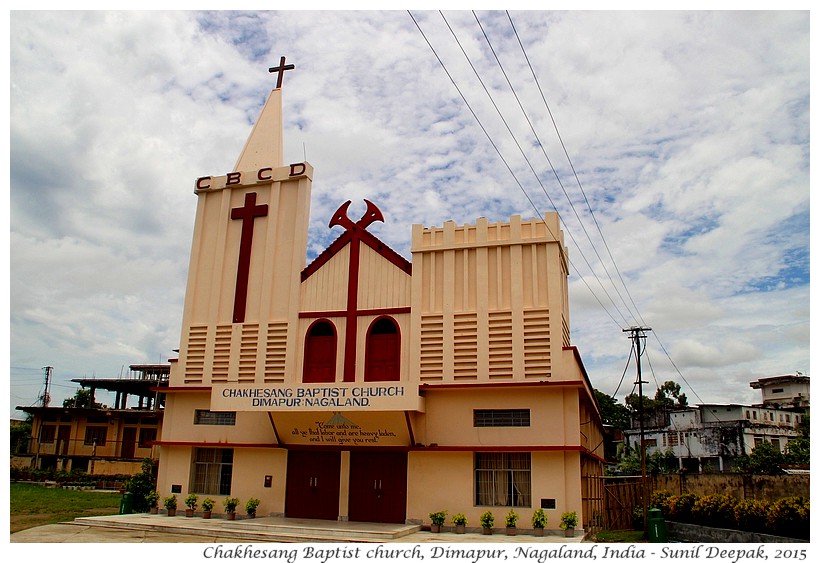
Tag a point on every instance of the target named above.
point(612, 413)
point(230, 504)
point(459, 519)
point(788, 517)
point(438, 517)
point(170, 502)
point(511, 519)
point(798, 452)
point(487, 519)
point(569, 520)
point(539, 519)
point(208, 504)
point(151, 499)
point(657, 463)
point(715, 510)
point(668, 396)
point(82, 399)
point(252, 505)
point(19, 437)
point(765, 459)
point(141, 485)
point(752, 515)
point(191, 501)
point(680, 507)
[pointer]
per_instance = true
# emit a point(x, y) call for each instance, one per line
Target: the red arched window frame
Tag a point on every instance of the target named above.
point(320, 353)
point(383, 351)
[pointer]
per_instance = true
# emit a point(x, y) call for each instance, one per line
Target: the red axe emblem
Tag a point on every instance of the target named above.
point(340, 217)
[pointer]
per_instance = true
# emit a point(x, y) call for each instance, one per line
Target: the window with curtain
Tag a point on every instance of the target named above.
point(211, 471)
point(320, 354)
point(503, 479)
point(382, 354)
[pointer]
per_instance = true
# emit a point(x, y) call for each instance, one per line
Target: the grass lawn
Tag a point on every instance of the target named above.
point(627, 536)
point(33, 505)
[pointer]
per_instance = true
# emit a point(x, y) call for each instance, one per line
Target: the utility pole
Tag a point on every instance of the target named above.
point(636, 334)
point(45, 398)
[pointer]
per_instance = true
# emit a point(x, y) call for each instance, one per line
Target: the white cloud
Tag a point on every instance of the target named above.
point(688, 131)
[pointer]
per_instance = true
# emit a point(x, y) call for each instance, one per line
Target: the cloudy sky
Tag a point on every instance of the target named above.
point(675, 145)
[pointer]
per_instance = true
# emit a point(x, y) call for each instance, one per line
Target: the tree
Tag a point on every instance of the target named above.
point(765, 459)
point(612, 413)
point(798, 450)
point(20, 434)
point(140, 485)
point(658, 462)
point(82, 399)
point(669, 395)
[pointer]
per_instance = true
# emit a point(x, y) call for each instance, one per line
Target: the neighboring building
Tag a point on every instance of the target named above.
point(709, 437)
point(784, 391)
point(365, 387)
point(101, 440)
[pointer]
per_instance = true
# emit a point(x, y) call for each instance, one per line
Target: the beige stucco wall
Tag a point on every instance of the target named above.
point(438, 483)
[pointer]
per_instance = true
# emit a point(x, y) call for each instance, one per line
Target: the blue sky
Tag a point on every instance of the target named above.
point(688, 131)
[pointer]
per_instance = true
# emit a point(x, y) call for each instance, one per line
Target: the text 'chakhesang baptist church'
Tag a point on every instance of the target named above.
point(365, 387)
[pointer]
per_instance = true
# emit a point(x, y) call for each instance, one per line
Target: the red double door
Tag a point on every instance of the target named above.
point(378, 486)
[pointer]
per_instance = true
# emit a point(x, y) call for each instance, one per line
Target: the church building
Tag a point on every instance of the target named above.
point(362, 386)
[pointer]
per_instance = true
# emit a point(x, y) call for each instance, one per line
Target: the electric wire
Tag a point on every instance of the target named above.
point(549, 161)
point(589, 207)
point(575, 174)
point(637, 313)
point(501, 156)
point(532, 169)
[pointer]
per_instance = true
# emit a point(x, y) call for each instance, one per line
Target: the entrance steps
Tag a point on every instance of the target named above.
point(260, 529)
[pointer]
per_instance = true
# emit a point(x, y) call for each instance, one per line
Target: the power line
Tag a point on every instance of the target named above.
point(549, 161)
point(521, 187)
point(501, 156)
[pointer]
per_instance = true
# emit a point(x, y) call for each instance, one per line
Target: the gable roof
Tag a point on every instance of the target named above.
point(367, 238)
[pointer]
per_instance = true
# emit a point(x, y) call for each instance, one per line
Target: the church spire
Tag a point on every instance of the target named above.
point(264, 146)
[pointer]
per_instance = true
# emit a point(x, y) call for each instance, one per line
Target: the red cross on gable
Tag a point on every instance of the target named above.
point(340, 218)
point(247, 214)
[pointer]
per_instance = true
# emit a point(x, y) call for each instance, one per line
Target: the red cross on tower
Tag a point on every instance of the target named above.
point(280, 70)
point(247, 213)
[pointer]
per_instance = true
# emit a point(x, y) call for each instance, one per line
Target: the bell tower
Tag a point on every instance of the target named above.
point(249, 245)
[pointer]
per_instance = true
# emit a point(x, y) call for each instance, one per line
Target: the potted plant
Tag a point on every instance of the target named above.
point(170, 505)
point(487, 521)
point(251, 505)
point(207, 507)
point(460, 522)
point(437, 519)
point(510, 520)
point(568, 522)
point(539, 522)
point(152, 500)
point(191, 501)
point(230, 507)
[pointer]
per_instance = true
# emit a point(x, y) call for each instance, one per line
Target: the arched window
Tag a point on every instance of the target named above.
point(383, 351)
point(320, 353)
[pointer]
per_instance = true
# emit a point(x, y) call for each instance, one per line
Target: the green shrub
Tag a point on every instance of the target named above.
point(715, 510)
point(679, 508)
point(659, 500)
point(789, 517)
point(751, 515)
